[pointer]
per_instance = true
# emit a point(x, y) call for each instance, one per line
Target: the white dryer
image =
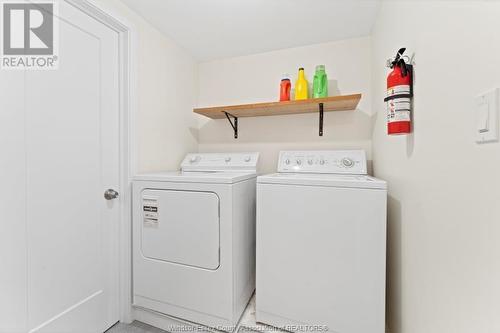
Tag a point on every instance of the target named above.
point(321, 244)
point(194, 239)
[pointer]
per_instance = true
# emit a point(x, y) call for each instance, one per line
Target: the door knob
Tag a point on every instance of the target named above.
point(110, 194)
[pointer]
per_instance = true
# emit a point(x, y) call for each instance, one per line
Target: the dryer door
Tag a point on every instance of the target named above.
point(181, 227)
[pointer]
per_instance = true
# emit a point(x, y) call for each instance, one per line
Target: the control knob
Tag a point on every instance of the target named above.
point(347, 162)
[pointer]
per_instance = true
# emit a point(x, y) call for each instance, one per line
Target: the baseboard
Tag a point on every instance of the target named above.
point(169, 323)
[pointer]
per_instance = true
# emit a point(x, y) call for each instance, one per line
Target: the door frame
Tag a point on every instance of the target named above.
point(128, 106)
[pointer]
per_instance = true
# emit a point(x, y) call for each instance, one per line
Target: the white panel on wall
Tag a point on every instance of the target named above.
point(486, 114)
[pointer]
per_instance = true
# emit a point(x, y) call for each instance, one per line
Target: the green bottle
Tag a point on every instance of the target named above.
point(320, 83)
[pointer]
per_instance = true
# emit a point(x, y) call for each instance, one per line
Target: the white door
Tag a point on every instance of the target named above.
point(181, 227)
point(59, 141)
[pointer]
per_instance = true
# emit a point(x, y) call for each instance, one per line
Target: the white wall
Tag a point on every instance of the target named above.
point(167, 85)
point(256, 78)
point(444, 212)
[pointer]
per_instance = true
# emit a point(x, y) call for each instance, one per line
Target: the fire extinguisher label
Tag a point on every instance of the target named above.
point(398, 90)
point(398, 109)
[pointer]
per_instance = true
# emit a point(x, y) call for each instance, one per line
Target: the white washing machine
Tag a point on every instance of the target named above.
point(194, 239)
point(321, 244)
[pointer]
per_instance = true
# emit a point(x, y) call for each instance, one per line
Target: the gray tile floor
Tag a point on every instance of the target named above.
point(247, 324)
point(135, 327)
point(138, 327)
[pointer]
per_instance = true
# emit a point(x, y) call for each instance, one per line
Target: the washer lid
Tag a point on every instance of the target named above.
point(196, 177)
point(315, 179)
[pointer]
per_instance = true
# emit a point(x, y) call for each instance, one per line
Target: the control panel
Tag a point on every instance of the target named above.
point(324, 161)
point(220, 162)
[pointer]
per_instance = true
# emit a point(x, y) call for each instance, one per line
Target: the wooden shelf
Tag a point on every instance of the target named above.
point(316, 105)
point(334, 103)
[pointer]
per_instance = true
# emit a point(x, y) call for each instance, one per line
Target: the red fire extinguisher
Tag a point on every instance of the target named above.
point(399, 95)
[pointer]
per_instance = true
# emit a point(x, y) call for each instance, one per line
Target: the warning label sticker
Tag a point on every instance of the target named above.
point(398, 90)
point(398, 109)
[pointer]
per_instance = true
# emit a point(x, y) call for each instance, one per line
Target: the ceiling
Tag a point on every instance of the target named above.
point(211, 29)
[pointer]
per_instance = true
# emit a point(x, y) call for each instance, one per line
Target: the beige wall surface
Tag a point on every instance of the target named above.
point(444, 189)
point(256, 78)
point(164, 126)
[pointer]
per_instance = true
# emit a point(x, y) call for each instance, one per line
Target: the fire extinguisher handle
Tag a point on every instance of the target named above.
point(404, 70)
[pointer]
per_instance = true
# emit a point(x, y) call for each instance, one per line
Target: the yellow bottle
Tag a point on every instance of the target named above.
point(301, 86)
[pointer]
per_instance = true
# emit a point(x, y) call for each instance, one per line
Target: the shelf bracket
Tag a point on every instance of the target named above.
point(234, 124)
point(320, 119)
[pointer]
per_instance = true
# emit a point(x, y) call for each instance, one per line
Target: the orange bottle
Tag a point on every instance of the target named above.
point(285, 88)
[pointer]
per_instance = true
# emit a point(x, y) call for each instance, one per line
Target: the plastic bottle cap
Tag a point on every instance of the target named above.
point(320, 68)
